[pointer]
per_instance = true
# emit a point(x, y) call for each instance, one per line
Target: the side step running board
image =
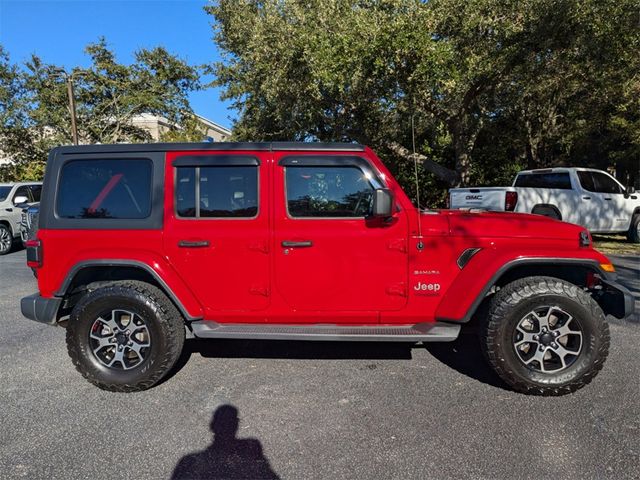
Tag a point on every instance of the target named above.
point(420, 332)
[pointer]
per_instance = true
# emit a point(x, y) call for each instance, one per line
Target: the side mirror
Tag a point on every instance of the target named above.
point(630, 190)
point(20, 199)
point(383, 203)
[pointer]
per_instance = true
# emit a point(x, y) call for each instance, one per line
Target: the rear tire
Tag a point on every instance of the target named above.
point(125, 337)
point(546, 211)
point(6, 239)
point(545, 336)
point(633, 235)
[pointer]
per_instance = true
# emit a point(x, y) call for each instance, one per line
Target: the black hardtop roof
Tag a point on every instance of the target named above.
point(212, 146)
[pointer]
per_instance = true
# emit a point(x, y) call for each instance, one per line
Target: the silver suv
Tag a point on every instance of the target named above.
point(13, 196)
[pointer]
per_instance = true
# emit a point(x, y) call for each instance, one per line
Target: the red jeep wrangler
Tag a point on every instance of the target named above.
point(139, 245)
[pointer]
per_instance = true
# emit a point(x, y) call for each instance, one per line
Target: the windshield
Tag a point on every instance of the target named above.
point(4, 193)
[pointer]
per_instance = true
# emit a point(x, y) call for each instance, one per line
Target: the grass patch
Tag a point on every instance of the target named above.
point(615, 244)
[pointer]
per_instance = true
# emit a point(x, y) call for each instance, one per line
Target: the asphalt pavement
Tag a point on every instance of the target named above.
point(308, 410)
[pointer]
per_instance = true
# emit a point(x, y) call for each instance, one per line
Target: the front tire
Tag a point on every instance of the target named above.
point(545, 336)
point(633, 235)
point(125, 337)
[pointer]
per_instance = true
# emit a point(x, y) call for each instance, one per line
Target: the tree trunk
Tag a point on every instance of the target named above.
point(443, 173)
point(464, 139)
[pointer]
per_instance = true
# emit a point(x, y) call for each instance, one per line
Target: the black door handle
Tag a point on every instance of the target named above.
point(303, 244)
point(193, 243)
point(607, 198)
point(586, 198)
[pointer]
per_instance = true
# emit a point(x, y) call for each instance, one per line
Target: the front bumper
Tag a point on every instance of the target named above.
point(616, 299)
point(41, 309)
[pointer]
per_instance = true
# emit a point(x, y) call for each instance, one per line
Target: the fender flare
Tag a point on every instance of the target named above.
point(518, 262)
point(73, 271)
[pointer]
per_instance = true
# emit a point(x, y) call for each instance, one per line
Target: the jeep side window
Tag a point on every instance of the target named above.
point(108, 189)
point(217, 192)
point(327, 192)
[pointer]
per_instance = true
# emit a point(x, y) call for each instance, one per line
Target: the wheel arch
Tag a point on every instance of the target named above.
point(93, 273)
point(7, 224)
point(528, 267)
point(549, 206)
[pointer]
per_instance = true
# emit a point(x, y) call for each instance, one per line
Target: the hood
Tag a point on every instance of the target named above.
point(507, 224)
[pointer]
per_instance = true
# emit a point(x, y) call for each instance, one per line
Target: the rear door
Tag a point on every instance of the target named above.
point(217, 229)
point(328, 256)
point(549, 189)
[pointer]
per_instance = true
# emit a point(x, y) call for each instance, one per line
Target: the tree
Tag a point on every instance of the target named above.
point(497, 81)
point(108, 95)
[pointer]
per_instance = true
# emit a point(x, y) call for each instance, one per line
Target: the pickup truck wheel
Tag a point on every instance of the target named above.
point(634, 230)
point(545, 336)
point(6, 239)
point(125, 336)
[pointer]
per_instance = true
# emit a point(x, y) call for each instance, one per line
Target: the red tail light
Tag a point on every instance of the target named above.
point(510, 200)
point(34, 253)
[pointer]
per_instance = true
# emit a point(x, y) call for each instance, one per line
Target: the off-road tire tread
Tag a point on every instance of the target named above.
point(507, 298)
point(166, 313)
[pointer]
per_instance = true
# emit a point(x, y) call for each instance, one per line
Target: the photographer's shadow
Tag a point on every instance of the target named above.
point(227, 457)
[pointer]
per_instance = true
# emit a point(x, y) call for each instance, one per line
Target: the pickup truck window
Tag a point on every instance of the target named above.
point(560, 181)
point(36, 190)
point(4, 193)
point(105, 189)
point(217, 192)
point(598, 182)
point(328, 192)
point(586, 181)
point(21, 192)
point(605, 184)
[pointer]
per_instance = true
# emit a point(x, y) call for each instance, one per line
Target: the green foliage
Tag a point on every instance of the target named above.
point(35, 112)
point(492, 85)
point(190, 130)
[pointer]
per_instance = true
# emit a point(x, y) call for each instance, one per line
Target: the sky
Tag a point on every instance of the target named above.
point(58, 30)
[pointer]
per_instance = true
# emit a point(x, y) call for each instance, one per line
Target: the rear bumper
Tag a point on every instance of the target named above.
point(616, 300)
point(40, 309)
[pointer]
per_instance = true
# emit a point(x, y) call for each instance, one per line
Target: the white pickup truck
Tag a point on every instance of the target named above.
point(584, 196)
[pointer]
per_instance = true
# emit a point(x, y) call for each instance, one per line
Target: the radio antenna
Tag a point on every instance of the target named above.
point(415, 171)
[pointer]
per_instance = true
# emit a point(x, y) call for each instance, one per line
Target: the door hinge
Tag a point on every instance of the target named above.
point(399, 289)
point(399, 244)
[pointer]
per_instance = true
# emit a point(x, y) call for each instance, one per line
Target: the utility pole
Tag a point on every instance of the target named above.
point(72, 109)
point(69, 78)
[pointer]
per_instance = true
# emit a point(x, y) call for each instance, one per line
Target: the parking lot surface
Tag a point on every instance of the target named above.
point(308, 410)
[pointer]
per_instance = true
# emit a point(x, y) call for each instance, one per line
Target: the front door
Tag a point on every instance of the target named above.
point(328, 256)
point(217, 230)
point(602, 207)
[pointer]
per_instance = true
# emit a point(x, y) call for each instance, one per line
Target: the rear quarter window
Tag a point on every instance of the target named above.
point(105, 189)
point(560, 181)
